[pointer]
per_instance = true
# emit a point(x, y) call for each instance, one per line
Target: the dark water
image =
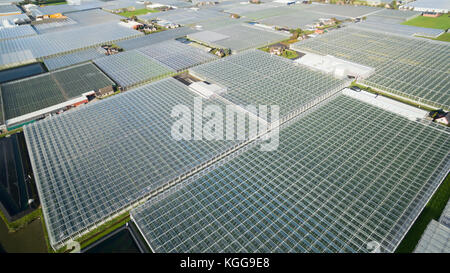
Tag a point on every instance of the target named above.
point(27, 240)
point(13, 194)
point(21, 72)
point(121, 242)
point(15, 172)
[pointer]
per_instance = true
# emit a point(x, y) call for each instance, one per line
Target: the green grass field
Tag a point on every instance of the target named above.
point(445, 37)
point(55, 3)
point(137, 12)
point(441, 22)
point(290, 54)
point(432, 210)
point(50, 2)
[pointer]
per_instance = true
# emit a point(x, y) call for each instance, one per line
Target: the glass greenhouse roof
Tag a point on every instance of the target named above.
point(258, 78)
point(177, 55)
point(95, 161)
point(73, 58)
point(435, 239)
point(397, 14)
point(132, 67)
point(340, 179)
point(35, 93)
point(154, 38)
point(184, 16)
point(414, 68)
point(14, 51)
point(241, 37)
point(16, 32)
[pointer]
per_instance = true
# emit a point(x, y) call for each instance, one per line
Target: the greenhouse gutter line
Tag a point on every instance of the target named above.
point(142, 233)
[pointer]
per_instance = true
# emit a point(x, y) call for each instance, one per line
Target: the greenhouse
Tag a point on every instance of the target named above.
point(258, 78)
point(340, 181)
point(435, 239)
point(106, 156)
point(177, 55)
point(67, 9)
point(343, 10)
point(73, 58)
point(17, 18)
point(256, 12)
point(442, 6)
point(6, 9)
point(154, 38)
point(132, 68)
point(275, 10)
point(403, 15)
point(35, 93)
point(76, 80)
point(414, 68)
point(23, 50)
point(94, 16)
point(79, 19)
point(396, 28)
point(121, 4)
point(272, 12)
point(219, 23)
point(296, 20)
point(184, 16)
point(25, 96)
point(175, 3)
point(16, 32)
point(239, 38)
point(445, 216)
point(52, 9)
point(55, 26)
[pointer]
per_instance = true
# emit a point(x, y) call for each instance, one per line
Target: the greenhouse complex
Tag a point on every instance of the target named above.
point(30, 98)
point(421, 76)
point(253, 202)
point(226, 126)
point(257, 78)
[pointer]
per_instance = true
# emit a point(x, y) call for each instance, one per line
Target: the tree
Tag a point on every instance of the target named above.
point(296, 33)
point(394, 4)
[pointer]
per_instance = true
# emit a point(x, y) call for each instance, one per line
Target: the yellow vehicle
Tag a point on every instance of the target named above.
point(57, 15)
